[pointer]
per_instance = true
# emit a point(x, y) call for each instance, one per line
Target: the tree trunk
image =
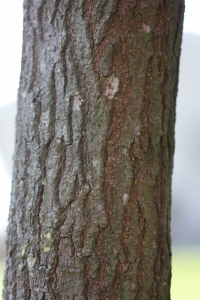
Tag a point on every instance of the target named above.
point(90, 209)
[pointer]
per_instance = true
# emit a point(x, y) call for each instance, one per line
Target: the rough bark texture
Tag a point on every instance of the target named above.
point(90, 210)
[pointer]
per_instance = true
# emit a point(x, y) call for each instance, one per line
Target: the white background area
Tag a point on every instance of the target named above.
point(186, 179)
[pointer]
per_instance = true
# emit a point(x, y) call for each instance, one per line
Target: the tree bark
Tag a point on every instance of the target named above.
point(90, 209)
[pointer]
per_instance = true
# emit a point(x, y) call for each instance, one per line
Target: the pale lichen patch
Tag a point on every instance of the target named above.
point(94, 162)
point(47, 248)
point(48, 235)
point(125, 151)
point(24, 249)
point(100, 207)
point(77, 101)
point(47, 245)
point(31, 261)
point(146, 28)
point(125, 198)
point(112, 86)
point(20, 267)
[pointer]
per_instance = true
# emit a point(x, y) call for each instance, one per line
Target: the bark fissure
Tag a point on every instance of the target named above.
point(56, 6)
point(41, 16)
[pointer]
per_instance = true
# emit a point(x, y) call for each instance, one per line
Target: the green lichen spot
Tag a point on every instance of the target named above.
point(48, 235)
point(24, 249)
point(20, 267)
point(47, 248)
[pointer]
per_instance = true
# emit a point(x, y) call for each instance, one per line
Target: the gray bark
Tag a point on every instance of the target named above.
point(90, 209)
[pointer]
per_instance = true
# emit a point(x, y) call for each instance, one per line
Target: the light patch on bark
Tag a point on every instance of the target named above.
point(45, 120)
point(112, 86)
point(47, 248)
point(23, 94)
point(20, 267)
point(137, 128)
point(100, 207)
point(94, 162)
point(24, 249)
point(125, 151)
point(133, 286)
point(125, 198)
point(77, 101)
point(48, 235)
point(42, 67)
point(146, 28)
point(31, 261)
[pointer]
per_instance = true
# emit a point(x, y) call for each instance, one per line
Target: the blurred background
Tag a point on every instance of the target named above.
point(186, 175)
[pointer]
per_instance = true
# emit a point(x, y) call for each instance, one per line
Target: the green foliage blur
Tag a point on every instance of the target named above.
point(185, 274)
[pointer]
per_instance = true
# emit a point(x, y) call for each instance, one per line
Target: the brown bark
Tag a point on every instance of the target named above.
point(90, 209)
